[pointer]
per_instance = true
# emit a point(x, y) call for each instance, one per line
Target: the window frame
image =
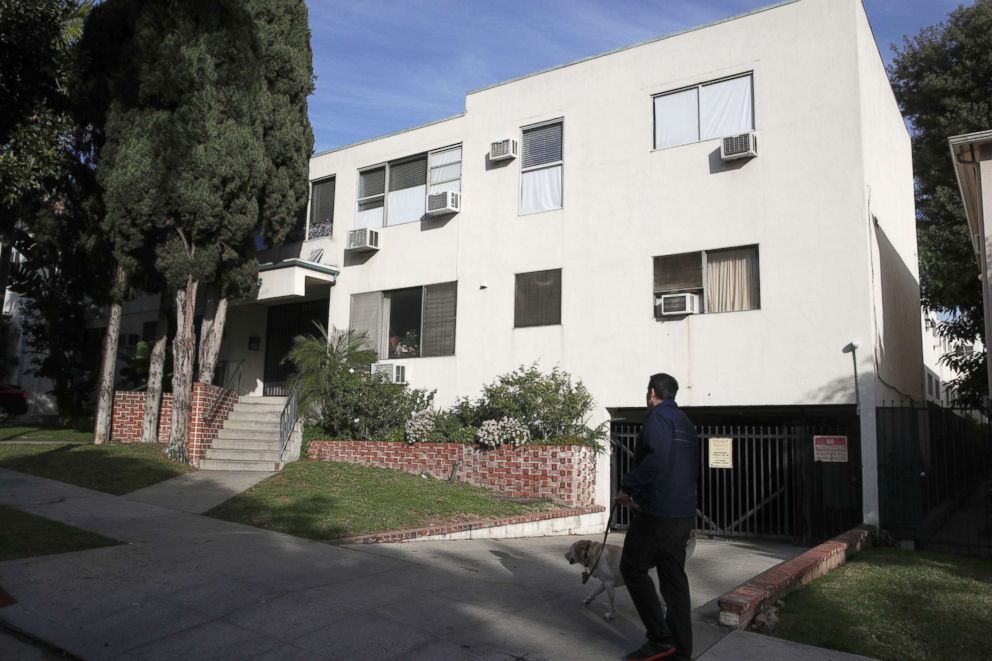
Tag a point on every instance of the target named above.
point(516, 293)
point(381, 347)
point(542, 166)
point(701, 291)
point(312, 210)
point(699, 114)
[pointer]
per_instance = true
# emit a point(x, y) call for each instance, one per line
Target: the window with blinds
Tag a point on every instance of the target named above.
point(321, 208)
point(711, 110)
point(541, 168)
point(445, 173)
point(408, 323)
point(727, 279)
point(371, 198)
point(537, 299)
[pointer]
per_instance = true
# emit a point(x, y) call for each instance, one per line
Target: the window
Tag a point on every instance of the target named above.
point(396, 193)
point(321, 208)
point(541, 168)
point(538, 299)
point(727, 280)
point(408, 323)
point(703, 112)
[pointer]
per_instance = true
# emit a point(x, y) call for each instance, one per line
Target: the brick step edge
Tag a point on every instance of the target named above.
point(461, 526)
point(739, 607)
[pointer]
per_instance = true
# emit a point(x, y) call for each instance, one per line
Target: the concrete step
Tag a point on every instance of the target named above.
point(241, 454)
point(253, 425)
point(249, 435)
point(244, 399)
point(254, 417)
point(228, 465)
point(241, 444)
point(258, 408)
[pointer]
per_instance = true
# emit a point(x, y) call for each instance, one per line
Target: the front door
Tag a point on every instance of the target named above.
point(285, 323)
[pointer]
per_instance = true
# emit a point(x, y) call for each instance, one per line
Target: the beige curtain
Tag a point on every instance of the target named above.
point(732, 280)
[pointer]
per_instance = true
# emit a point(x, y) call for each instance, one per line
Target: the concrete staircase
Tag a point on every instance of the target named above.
point(249, 440)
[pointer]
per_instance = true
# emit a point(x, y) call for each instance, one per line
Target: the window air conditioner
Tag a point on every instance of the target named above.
point(503, 150)
point(393, 373)
point(363, 240)
point(444, 203)
point(677, 304)
point(734, 147)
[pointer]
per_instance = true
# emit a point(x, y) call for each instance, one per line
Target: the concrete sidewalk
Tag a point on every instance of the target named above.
point(188, 586)
point(199, 491)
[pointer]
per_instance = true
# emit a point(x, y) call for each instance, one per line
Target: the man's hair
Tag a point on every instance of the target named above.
point(664, 385)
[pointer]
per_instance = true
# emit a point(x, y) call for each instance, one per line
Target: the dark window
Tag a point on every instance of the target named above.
point(321, 208)
point(538, 299)
point(419, 321)
point(440, 309)
point(403, 308)
point(148, 330)
point(725, 280)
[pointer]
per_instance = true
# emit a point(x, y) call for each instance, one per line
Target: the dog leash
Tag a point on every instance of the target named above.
point(586, 573)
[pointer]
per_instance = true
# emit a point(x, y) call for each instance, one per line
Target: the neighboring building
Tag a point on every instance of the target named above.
point(616, 210)
point(972, 156)
point(937, 376)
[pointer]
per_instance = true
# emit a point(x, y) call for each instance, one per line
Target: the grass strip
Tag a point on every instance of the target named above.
point(325, 500)
point(24, 535)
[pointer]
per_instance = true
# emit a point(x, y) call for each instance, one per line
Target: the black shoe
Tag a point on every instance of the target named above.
point(651, 651)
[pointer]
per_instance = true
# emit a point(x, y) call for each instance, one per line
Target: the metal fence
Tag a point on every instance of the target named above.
point(770, 484)
point(935, 477)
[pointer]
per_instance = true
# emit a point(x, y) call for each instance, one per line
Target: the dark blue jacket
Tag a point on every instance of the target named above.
point(666, 464)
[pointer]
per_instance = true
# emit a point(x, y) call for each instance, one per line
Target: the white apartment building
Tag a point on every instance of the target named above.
point(590, 203)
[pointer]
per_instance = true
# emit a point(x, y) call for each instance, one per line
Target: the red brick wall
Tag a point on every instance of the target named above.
point(562, 473)
point(211, 401)
point(211, 406)
point(129, 411)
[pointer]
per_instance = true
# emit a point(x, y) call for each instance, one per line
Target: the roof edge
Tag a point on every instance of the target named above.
point(389, 135)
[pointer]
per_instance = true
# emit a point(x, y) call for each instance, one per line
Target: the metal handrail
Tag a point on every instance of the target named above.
point(287, 420)
point(227, 381)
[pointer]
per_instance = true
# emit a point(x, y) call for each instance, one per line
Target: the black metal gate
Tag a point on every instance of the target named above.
point(773, 487)
point(285, 323)
point(935, 477)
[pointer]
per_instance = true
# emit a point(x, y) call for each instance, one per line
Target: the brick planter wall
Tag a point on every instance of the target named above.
point(211, 401)
point(562, 473)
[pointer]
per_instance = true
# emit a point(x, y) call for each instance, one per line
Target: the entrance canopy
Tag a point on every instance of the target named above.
point(289, 278)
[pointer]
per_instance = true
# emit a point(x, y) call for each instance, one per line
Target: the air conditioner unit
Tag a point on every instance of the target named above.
point(444, 203)
point(393, 373)
point(734, 147)
point(676, 304)
point(363, 240)
point(503, 150)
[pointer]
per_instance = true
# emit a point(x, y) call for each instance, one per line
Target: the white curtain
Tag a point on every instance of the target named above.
point(676, 118)
point(725, 108)
point(732, 280)
point(406, 205)
point(369, 218)
point(445, 172)
point(540, 190)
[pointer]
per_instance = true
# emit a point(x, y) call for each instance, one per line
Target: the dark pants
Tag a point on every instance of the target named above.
point(660, 542)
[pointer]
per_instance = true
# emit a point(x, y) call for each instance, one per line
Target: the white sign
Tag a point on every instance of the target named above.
point(721, 453)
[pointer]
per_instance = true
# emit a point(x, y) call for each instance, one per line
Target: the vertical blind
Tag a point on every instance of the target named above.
point(440, 311)
point(541, 169)
point(538, 299)
point(366, 315)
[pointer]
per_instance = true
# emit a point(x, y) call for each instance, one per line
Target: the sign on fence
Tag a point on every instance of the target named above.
point(721, 453)
point(830, 449)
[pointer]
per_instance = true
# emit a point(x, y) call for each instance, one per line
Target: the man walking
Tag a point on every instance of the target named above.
point(661, 488)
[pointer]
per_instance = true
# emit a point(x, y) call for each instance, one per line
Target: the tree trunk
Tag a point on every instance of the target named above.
point(6, 252)
point(211, 334)
point(153, 394)
point(108, 366)
point(182, 372)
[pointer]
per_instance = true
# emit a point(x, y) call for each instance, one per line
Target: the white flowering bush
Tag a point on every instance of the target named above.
point(508, 431)
point(420, 427)
point(489, 434)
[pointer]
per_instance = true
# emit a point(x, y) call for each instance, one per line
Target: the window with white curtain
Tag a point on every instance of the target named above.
point(408, 323)
point(445, 173)
point(541, 168)
point(728, 280)
point(406, 201)
point(371, 198)
point(702, 112)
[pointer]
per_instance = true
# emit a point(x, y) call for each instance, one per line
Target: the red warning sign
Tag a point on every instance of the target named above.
point(830, 448)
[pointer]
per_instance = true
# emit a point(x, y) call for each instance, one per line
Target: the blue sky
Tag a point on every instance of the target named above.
point(386, 65)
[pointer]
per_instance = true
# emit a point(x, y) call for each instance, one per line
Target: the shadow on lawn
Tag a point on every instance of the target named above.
point(111, 469)
point(304, 516)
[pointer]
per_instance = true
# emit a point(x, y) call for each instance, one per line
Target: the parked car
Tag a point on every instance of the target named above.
point(13, 402)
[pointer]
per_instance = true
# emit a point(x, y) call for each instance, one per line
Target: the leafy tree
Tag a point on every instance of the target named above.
point(942, 78)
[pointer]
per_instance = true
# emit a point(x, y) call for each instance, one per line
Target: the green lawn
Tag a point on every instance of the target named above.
point(112, 468)
point(900, 605)
point(325, 500)
point(15, 433)
point(24, 535)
